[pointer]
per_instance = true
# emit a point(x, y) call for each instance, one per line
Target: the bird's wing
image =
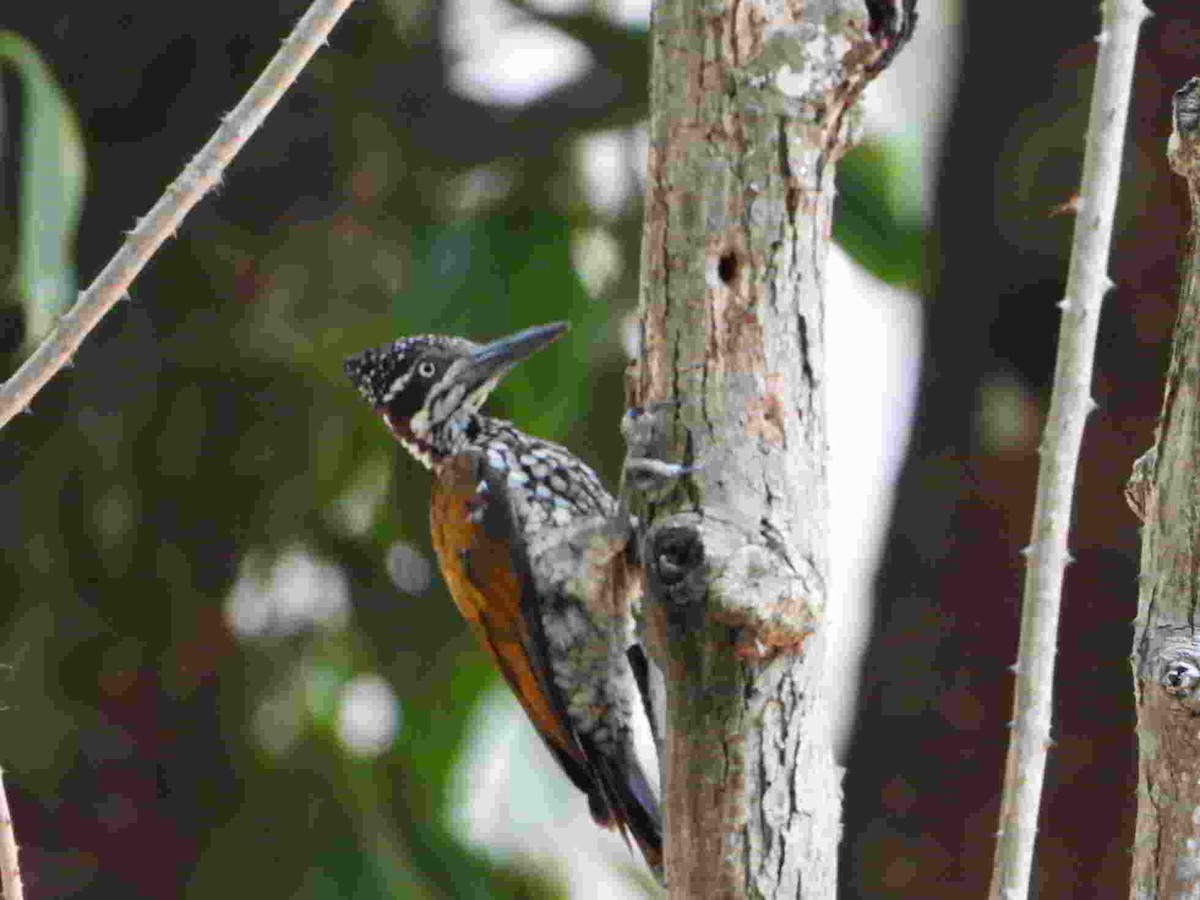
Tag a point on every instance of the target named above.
point(468, 527)
point(479, 548)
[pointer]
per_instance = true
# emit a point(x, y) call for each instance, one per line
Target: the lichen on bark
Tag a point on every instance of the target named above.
point(1166, 860)
point(751, 105)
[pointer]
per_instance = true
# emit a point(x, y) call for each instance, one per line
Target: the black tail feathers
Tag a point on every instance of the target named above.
point(623, 799)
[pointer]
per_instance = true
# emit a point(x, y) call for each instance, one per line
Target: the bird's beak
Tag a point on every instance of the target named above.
point(489, 363)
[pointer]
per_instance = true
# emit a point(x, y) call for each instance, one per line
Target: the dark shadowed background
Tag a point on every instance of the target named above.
point(225, 667)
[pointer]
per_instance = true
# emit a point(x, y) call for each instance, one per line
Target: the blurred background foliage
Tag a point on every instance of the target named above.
point(226, 663)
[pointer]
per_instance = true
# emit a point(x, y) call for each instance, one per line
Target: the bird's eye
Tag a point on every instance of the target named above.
point(426, 369)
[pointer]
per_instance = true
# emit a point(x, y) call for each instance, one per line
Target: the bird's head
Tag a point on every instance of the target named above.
point(428, 388)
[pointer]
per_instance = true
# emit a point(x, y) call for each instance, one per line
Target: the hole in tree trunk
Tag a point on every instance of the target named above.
point(727, 268)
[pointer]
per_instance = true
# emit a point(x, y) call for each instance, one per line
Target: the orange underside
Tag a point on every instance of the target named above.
point(479, 574)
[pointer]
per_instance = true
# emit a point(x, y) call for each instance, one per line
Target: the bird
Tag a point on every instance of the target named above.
point(537, 556)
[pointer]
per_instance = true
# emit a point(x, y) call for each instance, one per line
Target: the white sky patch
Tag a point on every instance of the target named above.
point(559, 7)
point(605, 164)
point(640, 136)
point(873, 355)
point(368, 716)
point(510, 797)
point(596, 259)
point(630, 13)
point(502, 56)
point(285, 596)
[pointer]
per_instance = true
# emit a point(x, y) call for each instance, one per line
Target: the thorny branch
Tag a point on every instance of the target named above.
point(1070, 404)
point(199, 177)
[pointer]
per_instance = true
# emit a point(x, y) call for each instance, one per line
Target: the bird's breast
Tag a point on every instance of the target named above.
point(476, 563)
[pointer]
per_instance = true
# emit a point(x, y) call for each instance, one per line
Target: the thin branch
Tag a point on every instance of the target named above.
point(1070, 403)
point(10, 870)
point(200, 176)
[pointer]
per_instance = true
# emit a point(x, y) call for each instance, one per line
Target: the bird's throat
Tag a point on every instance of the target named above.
point(421, 450)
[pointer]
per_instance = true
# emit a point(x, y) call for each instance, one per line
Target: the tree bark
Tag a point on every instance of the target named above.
point(1166, 488)
point(750, 108)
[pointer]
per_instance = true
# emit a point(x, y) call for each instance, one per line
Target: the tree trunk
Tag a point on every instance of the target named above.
point(1165, 487)
point(750, 109)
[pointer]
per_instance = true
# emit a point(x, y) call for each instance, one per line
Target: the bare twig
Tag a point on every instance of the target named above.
point(200, 176)
point(1070, 403)
point(10, 871)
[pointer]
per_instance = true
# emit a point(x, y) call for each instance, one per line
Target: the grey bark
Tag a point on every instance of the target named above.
point(751, 104)
point(1165, 489)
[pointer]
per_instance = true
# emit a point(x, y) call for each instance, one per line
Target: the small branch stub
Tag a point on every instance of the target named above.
point(1141, 480)
point(1179, 674)
point(677, 566)
point(1185, 118)
point(699, 569)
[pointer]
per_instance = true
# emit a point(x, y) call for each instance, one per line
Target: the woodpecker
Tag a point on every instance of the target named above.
point(537, 557)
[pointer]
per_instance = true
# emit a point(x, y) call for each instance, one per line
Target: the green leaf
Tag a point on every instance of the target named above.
point(879, 221)
point(51, 172)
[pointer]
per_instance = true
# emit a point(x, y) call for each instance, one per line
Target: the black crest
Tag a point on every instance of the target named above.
point(381, 373)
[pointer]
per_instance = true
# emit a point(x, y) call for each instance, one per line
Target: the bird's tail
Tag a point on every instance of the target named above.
point(625, 800)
